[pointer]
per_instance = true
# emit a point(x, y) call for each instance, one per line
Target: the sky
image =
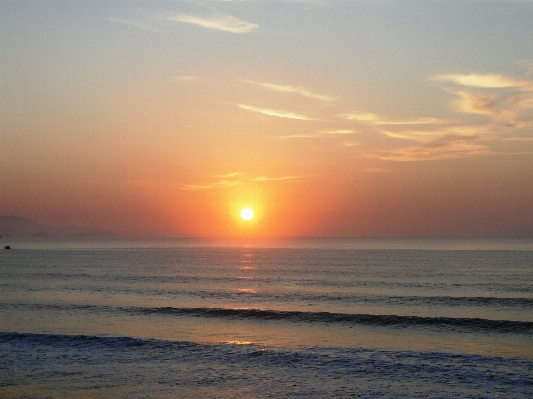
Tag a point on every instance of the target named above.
point(368, 118)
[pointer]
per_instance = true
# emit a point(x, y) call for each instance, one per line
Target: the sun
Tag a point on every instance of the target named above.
point(247, 213)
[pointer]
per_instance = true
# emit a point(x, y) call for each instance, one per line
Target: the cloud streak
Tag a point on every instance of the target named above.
point(483, 104)
point(486, 81)
point(375, 119)
point(277, 113)
point(424, 136)
point(237, 178)
point(297, 136)
point(208, 186)
point(227, 175)
point(291, 89)
point(226, 23)
point(447, 147)
point(280, 179)
point(322, 133)
point(339, 131)
point(500, 97)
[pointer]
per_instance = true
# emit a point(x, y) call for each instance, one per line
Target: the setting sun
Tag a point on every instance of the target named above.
point(247, 213)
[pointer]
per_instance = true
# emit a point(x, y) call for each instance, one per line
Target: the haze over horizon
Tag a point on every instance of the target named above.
point(325, 118)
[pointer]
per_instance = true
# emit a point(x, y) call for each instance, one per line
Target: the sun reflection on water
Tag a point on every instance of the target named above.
point(247, 264)
point(239, 342)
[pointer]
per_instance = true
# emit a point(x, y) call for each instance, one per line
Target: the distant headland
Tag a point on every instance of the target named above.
point(13, 226)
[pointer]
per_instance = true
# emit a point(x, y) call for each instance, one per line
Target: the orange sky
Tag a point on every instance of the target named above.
point(326, 118)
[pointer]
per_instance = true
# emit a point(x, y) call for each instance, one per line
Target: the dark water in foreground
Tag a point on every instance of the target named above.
point(169, 318)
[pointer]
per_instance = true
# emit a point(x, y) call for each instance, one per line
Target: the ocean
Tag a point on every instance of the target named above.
point(310, 317)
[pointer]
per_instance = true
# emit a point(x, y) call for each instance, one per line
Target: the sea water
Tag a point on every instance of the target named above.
point(316, 318)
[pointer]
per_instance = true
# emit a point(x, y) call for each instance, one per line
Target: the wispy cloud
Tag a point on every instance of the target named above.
point(483, 104)
point(416, 135)
point(291, 89)
point(222, 22)
point(280, 179)
point(446, 147)
point(378, 120)
point(506, 100)
point(273, 112)
point(487, 81)
point(363, 117)
point(322, 133)
point(195, 187)
point(351, 143)
point(297, 136)
point(208, 186)
point(238, 178)
point(430, 135)
point(502, 98)
point(231, 174)
point(338, 131)
point(226, 23)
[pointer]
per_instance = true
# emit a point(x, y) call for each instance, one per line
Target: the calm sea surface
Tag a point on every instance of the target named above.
point(315, 318)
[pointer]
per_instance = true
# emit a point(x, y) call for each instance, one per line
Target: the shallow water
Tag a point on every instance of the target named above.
point(320, 317)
